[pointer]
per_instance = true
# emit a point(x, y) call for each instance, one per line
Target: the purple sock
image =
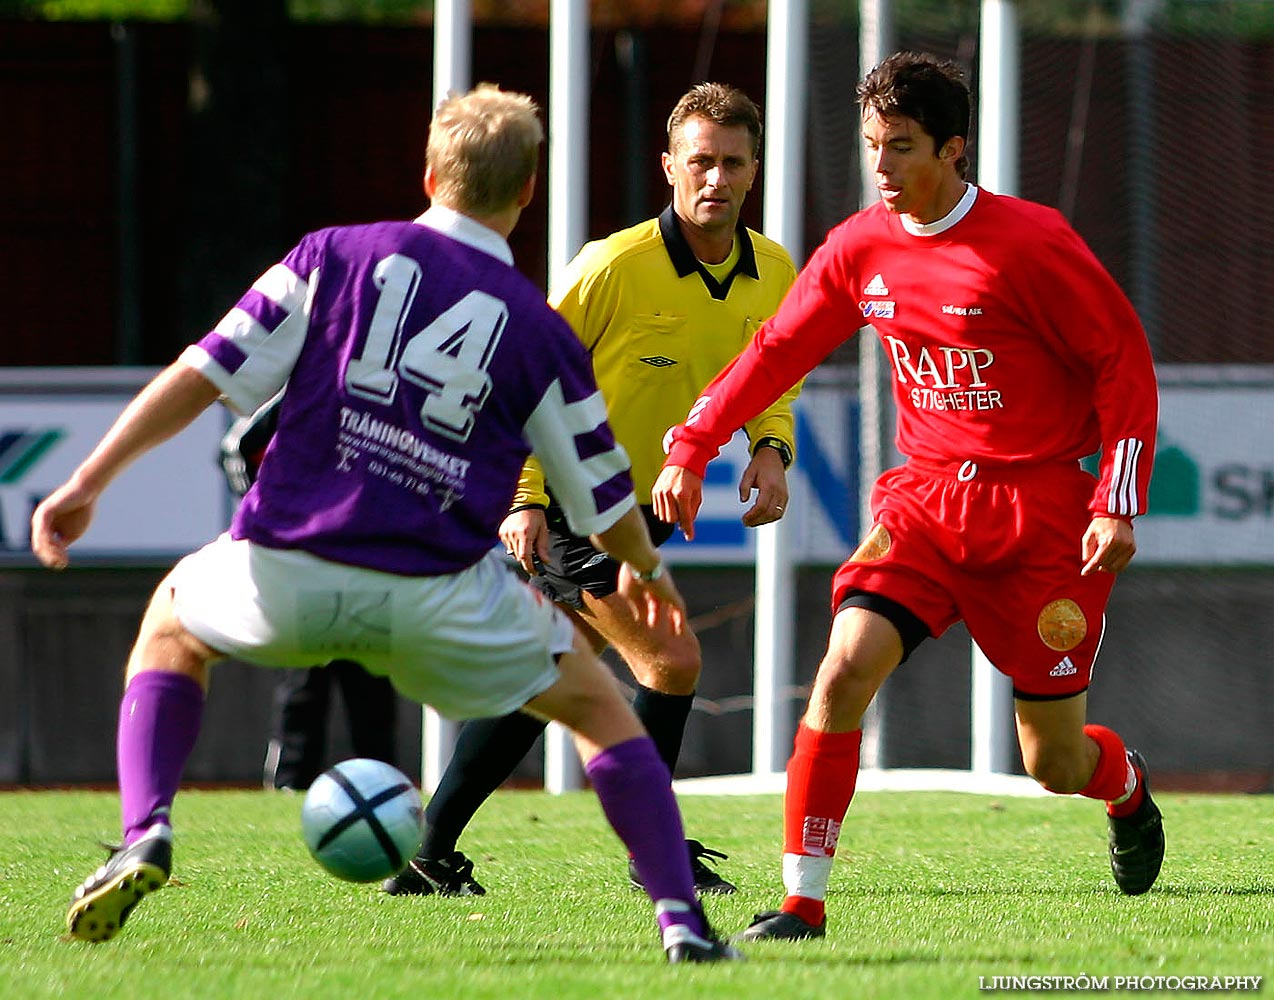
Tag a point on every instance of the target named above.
point(635, 790)
point(159, 720)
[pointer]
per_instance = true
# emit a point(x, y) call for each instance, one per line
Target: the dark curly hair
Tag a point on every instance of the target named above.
point(930, 91)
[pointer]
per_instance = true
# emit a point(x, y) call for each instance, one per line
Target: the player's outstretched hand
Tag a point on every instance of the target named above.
point(1108, 546)
point(652, 600)
point(59, 520)
point(676, 498)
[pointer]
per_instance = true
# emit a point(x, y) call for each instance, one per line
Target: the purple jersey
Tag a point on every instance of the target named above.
point(420, 369)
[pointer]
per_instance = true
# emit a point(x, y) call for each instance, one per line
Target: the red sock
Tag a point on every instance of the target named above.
point(1110, 778)
point(821, 776)
point(812, 911)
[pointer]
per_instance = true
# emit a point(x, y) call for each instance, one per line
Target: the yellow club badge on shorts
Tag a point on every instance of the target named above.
point(1062, 625)
point(875, 546)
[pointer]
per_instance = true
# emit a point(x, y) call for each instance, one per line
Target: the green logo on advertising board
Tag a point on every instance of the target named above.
point(1174, 486)
point(20, 449)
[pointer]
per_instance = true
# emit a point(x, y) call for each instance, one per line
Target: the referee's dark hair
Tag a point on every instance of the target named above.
point(720, 103)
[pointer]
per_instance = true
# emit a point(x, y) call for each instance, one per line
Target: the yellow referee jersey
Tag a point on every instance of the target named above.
point(660, 327)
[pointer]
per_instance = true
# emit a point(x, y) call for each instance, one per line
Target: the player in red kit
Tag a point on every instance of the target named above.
point(1014, 355)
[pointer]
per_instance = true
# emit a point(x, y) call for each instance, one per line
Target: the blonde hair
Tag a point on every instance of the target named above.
point(483, 147)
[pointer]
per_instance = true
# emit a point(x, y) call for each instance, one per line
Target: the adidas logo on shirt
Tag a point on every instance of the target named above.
point(876, 287)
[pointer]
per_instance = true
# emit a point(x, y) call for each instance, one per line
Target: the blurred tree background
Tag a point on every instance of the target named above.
point(1246, 18)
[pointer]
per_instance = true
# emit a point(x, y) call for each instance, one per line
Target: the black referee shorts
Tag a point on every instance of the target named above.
point(574, 565)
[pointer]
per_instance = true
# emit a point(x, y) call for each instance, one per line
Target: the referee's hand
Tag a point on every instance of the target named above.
point(766, 477)
point(525, 534)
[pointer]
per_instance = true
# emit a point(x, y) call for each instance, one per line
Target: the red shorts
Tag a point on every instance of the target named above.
point(998, 548)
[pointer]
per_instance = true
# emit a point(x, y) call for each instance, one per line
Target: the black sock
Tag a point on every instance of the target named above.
point(664, 716)
point(486, 753)
point(298, 728)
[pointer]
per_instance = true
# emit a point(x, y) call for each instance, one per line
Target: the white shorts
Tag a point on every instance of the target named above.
point(471, 644)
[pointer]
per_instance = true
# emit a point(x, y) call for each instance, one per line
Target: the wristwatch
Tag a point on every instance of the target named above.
point(779, 445)
point(650, 577)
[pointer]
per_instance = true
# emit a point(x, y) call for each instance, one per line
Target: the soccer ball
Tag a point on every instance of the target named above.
point(362, 820)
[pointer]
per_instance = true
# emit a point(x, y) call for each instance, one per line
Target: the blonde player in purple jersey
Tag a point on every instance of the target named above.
point(661, 307)
point(421, 369)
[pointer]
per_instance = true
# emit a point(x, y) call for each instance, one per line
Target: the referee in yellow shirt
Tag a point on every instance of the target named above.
point(662, 307)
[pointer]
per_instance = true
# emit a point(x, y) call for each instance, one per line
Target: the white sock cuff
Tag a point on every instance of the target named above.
point(1130, 786)
point(804, 875)
point(663, 906)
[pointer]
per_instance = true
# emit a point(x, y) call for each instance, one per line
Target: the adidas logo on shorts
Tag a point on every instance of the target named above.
point(1064, 669)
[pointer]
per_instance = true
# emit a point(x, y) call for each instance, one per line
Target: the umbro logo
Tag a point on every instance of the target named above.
point(1064, 669)
point(658, 361)
point(876, 287)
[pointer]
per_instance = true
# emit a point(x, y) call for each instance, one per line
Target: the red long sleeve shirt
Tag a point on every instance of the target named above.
point(1008, 340)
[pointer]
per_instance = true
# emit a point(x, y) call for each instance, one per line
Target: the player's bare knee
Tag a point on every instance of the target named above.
point(1059, 773)
point(846, 682)
point(163, 643)
point(594, 710)
point(671, 674)
point(171, 652)
point(585, 690)
point(670, 665)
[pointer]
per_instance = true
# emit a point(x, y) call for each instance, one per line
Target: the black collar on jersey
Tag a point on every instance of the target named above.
point(685, 261)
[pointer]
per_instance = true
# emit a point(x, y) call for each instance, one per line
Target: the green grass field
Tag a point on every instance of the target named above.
point(933, 895)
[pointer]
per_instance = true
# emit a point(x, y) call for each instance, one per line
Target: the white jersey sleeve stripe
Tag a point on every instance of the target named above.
point(1134, 476)
point(252, 363)
point(243, 329)
point(1122, 498)
point(552, 431)
point(1118, 474)
point(284, 286)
